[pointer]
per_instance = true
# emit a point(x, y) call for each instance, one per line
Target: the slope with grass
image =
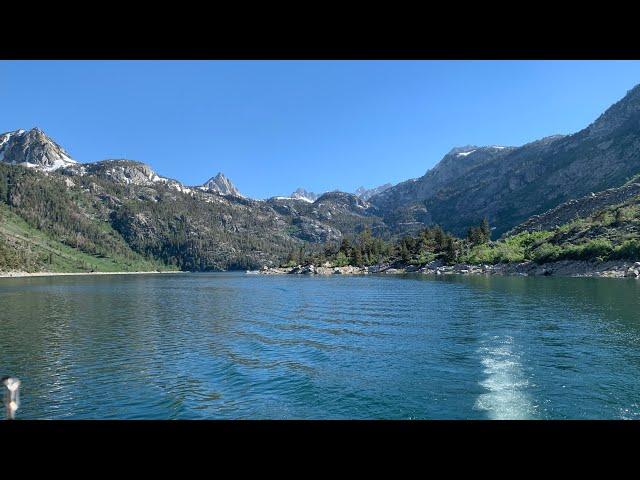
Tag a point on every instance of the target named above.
point(27, 249)
point(603, 233)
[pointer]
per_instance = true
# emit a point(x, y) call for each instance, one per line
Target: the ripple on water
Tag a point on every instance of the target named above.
point(242, 346)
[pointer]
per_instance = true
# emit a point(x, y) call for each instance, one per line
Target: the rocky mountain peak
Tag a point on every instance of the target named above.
point(367, 193)
point(462, 151)
point(625, 110)
point(461, 159)
point(221, 185)
point(303, 194)
point(33, 148)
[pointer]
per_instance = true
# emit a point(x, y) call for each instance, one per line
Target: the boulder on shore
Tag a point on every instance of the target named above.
point(564, 268)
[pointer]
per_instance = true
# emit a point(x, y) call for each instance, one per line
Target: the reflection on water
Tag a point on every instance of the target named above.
point(249, 346)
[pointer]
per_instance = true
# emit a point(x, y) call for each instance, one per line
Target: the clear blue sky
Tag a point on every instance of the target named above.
point(272, 126)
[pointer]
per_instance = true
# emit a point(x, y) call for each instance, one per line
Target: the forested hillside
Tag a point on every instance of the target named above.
point(46, 227)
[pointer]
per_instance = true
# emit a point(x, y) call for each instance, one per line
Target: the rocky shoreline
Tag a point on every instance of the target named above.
point(565, 268)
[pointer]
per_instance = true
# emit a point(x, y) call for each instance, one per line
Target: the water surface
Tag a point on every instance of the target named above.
point(389, 347)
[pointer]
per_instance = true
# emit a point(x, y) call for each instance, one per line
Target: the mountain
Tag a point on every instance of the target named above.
point(510, 184)
point(33, 149)
point(404, 204)
point(222, 185)
point(366, 194)
point(330, 217)
point(363, 193)
point(303, 194)
point(120, 214)
point(122, 211)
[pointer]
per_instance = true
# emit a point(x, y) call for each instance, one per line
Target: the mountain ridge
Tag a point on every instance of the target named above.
point(213, 226)
point(513, 183)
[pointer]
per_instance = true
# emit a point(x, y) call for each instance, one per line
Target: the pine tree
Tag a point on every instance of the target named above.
point(357, 255)
point(405, 255)
point(450, 250)
point(485, 230)
point(345, 246)
point(439, 238)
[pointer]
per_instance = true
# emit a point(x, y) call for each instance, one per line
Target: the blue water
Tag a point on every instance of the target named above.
point(243, 346)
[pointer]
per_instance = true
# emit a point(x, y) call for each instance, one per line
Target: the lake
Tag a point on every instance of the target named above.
point(238, 346)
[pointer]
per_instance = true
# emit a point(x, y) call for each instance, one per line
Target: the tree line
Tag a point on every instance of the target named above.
point(364, 249)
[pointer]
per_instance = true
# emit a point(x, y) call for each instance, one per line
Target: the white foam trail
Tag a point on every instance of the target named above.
point(506, 398)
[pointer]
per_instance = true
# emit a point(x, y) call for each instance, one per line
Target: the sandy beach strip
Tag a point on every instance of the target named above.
point(59, 274)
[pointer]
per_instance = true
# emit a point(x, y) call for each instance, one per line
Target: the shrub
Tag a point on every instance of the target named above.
point(628, 250)
point(546, 252)
point(508, 252)
point(341, 260)
point(423, 258)
point(596, 248)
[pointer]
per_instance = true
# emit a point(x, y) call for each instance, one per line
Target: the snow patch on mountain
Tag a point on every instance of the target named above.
point(464, 154)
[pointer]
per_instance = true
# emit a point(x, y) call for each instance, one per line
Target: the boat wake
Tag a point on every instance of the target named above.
point(506, 397)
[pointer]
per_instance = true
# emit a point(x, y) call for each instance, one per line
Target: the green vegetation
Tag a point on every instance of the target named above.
point(24, 248)
point(611, 233)
point(364, 250)
point(517, 248)
point(44, 226)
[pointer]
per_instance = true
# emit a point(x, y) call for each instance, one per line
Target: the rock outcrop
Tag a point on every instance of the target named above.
point(302, 194)
point(33, 149)
point(221, 185)
point(367, 193)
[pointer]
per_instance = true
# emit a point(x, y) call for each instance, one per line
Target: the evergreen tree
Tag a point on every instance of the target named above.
point(485, 230)
point(345, 246)
point(404, 252)
point(450, 250)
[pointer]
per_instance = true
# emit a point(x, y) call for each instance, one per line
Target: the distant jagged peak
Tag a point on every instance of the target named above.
point(310, 197)
point(33, 148)
point(302, 194)
point(220, 184)
point(367, 193)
